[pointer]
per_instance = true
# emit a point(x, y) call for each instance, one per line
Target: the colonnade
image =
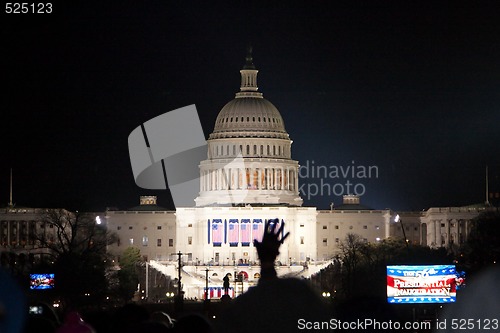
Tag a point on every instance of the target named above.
point(269, 178)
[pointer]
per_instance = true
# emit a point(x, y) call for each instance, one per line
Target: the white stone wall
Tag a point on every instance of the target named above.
point(334, 225)
point(448, 226)
point(143, 229)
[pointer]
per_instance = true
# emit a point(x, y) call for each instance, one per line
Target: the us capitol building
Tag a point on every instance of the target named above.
point(234, 201)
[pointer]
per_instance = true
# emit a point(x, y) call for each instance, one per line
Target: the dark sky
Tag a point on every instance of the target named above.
point(411, 87)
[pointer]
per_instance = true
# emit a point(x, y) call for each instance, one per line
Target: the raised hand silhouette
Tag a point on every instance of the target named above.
point(268, 248)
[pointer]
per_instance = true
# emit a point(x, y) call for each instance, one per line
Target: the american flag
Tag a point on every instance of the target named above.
point(258, 229)
point(217, 292)
point(233, 232)
point(217, 231)
point(245, 231)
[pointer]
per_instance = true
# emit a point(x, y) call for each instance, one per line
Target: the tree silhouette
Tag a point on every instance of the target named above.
point(482, 247)
point(76, 251)
point(128, 277)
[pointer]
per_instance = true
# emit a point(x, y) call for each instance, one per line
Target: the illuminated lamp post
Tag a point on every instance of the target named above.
point(397, 219)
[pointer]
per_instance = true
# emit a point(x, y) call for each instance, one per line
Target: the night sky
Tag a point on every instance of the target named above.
point(411, 87)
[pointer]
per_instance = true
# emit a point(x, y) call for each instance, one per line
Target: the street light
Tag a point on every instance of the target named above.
point(397, 219)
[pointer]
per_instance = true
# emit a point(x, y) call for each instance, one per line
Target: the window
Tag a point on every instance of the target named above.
point(158, 227)
point(302, 226)
point(131, 241)
point(325, 242)
point(350, 227)
point(118, 228)
point(336, 240)
point(190, 240)
point(365, 227)
point(170, 242)
point(336, 227)
point(190, 225)
point(158, 242)
point(325, 227)
point(301, 239)
point(130, 228)
point(145, 241)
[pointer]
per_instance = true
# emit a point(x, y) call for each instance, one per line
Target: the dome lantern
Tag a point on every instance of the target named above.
point(249, 78)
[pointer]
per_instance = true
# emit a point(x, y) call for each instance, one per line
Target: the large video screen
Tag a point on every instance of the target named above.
point(421, 284)
point(41, 281)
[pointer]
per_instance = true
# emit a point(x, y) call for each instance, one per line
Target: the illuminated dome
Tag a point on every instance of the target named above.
point(249, 114)
point(249, 158)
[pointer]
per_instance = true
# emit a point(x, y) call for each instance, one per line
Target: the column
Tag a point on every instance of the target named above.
point(276, 179)
point(288, 178)
point(296, 179)
point(259, 183)
point(201, 182)
point(282, 178)
point(250, 171)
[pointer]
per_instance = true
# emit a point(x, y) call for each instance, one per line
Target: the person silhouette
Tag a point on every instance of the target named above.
point(225, 284)
point(275, 304)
